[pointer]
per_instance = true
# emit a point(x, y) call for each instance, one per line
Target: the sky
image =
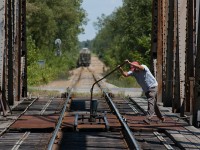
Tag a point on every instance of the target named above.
point(94, 9)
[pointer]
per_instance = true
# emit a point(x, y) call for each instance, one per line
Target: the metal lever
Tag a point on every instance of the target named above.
point(91, 99)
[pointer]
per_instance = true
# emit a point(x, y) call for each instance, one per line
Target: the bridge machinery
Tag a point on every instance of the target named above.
point(93, 107)
point(92, 117)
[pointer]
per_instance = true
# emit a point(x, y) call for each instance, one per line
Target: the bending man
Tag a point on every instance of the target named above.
point(149, 85)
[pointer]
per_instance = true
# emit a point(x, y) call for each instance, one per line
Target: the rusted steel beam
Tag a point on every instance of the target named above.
point(165, 34)
point(12, 74)
point(2, 39)
point(168, 93)
point(182, 29)
point(160, 50)
point(19, 48)
point(10, 53)
point(2, 53)
point(196, 103)
point(189, 53)
point(24, 50)
point(16, 63)
point(156, 50)
point(191, 98)
point(176, 87)
point(154, 36)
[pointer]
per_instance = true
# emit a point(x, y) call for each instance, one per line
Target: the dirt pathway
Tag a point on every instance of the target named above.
point(60, 85)
point(96, 66)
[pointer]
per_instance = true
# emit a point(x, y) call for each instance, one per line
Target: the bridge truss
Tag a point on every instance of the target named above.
point(13, 54)
point(176, 55)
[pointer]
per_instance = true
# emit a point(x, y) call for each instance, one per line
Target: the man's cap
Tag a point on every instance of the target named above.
point(133, 63)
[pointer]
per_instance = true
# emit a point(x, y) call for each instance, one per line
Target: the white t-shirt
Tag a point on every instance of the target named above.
point(144, 78)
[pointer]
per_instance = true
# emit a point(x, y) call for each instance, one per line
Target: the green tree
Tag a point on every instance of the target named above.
point(125, 34)
point(48, 20)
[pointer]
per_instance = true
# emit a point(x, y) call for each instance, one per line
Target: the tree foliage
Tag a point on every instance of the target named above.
point(125, 34)
point(48, 20)
point(51, 19)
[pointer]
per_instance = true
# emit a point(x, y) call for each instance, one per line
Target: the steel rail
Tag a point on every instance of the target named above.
point(123, 122)
point(127, 129)
point(50, 145)
point(91, 90)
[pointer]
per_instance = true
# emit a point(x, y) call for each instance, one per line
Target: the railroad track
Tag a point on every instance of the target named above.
point(34, 120)
point(105, 122)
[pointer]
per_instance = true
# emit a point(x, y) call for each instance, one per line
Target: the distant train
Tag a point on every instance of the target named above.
point(84, 57)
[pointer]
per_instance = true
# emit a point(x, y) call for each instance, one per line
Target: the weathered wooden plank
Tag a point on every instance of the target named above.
point(181, 140)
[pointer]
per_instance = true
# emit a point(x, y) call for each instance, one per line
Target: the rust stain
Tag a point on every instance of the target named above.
point(35, 122)
point(136, 122)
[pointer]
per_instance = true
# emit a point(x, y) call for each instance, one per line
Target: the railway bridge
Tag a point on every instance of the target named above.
point(175, 55)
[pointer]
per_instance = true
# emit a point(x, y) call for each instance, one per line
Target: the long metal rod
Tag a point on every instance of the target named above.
point(104, 78)
point(91, 99)
point(50, 146)
point(127, 129)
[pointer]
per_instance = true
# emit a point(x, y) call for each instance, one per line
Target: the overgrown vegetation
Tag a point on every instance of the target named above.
point(125, 34)
point(48, 20)
point(38, 92)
